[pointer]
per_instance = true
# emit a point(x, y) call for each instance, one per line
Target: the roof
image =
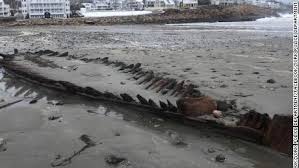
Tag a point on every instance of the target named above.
point(188, 1)
point(167, 2)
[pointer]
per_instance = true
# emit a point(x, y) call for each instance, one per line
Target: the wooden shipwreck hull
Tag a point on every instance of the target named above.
point(130, 84)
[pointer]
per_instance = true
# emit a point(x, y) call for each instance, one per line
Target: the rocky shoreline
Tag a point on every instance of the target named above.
point(202, 14)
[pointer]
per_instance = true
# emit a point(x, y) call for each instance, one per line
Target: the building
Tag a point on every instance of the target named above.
point(227, 2)
point(262, 3)
point(133, 5)
point(189, 3)
point(98, 5)
point(266, 3)
point(159, 3)
point(38, 8)
point(4, 9)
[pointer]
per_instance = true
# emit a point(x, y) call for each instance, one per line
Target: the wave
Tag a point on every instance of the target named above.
point(282, 17)
point(283, 23)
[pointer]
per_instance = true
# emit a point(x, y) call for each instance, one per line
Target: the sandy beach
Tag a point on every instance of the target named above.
point(33, 140)
point(226, 60)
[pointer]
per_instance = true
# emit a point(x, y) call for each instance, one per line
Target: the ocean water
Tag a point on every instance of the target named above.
point(269, 24)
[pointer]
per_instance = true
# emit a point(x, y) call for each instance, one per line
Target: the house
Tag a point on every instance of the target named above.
point(4, 9)
point(133, 5)
point(189, 3)
point(227, 2)
point(159, 3)
point(98, 5)
point(273, 4)
point(38, 8)
point(266, 3)
point(102, 5)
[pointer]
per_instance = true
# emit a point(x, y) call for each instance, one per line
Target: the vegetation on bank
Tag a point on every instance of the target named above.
point(201, 14)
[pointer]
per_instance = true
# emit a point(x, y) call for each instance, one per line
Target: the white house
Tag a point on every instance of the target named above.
point(4, 9)
point(98, 5)
point(227, 2)
point(273, 4)
point(133, 5)
point(38, 8)
point(189, 3)
point(266, 3)
point(159, 3)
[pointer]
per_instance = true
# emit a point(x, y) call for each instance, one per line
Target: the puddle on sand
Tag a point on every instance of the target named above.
point(238, 152)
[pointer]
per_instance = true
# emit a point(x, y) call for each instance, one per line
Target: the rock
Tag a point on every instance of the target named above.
point(160, 120)
point(187, 69)
point(2, 145)
point(255, 73)
point(64, 54)
point(33, 101)
point(86, 139)
point(117, 134)
point(271, 81)
point(114, 160)
point(89, 22)
point(122, 83)
point(211, 150)
point(240, 94)
point(220, 158)
point(217, 114)
point(92, 112)
point(15, 51)
point(53, 118)
point(175, 138)
point(263, 86)
point(223, 86)
point(57, 157)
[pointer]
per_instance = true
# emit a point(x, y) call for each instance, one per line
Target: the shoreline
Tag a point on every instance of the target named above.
point(232, 64)
point(169, 16)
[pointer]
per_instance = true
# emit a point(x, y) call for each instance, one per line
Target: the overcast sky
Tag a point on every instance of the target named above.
point(285, 1)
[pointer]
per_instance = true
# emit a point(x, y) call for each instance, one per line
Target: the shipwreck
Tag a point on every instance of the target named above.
point(132, 85)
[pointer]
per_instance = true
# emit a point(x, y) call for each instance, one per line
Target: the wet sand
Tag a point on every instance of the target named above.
point(32, 140)
point(225, 63)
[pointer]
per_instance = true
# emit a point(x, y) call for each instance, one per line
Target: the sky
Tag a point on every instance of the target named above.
point(285, 1)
